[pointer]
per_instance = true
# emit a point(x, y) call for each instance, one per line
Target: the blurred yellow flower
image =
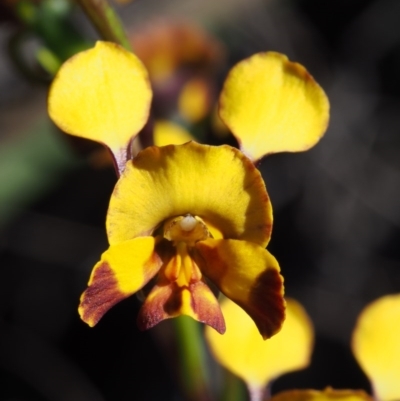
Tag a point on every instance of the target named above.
point(195, 100)
point(243, 352)
point(258, 363)
point(184, 62)
point(188, 214)
point(170, 46)
point(326, 395)
point(376, 346)
point(168, 133)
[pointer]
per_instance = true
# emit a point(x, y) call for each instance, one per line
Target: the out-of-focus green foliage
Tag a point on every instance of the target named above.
point(29, 167)
point(49, 21)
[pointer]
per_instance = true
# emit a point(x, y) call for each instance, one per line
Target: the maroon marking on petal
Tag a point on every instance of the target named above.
point(266, 229)
point(100, 296)
point(204, 256)
point(207, 310)
point(266, 304)
point(164, 302)
point(153, 311)
point(174, 302)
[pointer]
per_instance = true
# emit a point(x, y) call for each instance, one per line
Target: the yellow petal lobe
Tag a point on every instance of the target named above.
point(376, 346)
point(219, 185)
point(327, 395)
point(169, 133)
point(273, 105)
point(242, 351)
point(102, 94)
point(123, 270)
point(248, 275)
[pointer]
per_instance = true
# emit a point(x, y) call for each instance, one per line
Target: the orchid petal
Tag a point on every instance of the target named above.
point(273, 105)
point(218, 184)
point(248, 275)
point(123, 270)
point(102, 94)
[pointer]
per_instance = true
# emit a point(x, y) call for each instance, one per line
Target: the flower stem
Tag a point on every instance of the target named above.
point(258, 393)
point(193, 370)
point(106, 21)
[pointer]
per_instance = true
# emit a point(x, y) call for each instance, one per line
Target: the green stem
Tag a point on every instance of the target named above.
point(106, 21)
point(193, 370)
point(234, 389)
point(48, 60)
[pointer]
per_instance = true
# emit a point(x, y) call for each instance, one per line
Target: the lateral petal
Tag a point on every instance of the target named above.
point(102, 94)
point(123, 270)
point(249, 275)
point(273, 105)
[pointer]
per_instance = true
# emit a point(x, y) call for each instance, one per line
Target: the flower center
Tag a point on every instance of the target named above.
point(188, 229)
point(184, 232)
point(188, 223)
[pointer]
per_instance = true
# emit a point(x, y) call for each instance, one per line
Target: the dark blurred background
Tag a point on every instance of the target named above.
point(337, 214)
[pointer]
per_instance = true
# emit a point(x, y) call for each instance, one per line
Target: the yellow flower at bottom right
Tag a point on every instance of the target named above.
point(376, 346)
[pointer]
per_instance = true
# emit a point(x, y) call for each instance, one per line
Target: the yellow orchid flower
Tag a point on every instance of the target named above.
point(186, 215)
point(167, 218)
point(376, 346)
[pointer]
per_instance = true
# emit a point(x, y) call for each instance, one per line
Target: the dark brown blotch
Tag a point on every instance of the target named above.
point(102, 294)
point(207, 310)
point(266, 304)
point(153, 310)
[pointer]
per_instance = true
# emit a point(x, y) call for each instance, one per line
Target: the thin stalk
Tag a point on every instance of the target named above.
point(258, 393)
point(106, 21)
point(193, 373)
